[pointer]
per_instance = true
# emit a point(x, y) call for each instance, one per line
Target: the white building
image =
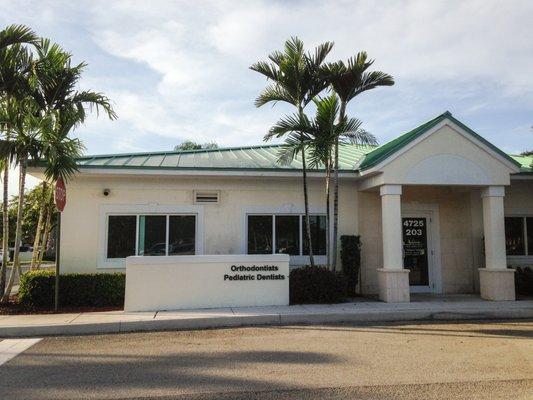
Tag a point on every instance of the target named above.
point(435, 208)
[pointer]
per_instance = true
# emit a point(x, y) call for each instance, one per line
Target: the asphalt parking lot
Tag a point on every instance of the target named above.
point(473, 360)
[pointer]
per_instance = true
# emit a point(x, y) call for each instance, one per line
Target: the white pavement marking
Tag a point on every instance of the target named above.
point(10, 348)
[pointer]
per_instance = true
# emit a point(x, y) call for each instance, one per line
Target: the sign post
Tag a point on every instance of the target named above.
point(60, 199)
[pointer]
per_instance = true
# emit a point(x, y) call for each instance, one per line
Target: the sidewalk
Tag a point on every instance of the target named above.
point(458, 307)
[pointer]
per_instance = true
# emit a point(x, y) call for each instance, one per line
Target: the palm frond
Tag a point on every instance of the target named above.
point(17, 34)
point(290, 124)
point(272, 94)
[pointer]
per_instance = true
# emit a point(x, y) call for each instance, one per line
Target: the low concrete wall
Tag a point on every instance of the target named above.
point(182, 282)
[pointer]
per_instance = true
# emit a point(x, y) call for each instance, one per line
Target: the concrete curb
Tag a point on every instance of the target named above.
point(273, 319)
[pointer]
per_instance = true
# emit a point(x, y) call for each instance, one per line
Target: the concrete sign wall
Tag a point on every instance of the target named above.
point(182, 282)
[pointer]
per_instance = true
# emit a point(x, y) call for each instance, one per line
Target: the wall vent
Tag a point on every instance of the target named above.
point(206, 197)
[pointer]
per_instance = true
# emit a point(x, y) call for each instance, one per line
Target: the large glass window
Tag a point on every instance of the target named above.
point(181, 234)
point(514, 236)
point(288, 234)
point(154, 235)
point(121, 236)
point(260, 234)
point(318, 234)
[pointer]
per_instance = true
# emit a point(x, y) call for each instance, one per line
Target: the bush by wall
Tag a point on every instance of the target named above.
point(351, 260)
point(78, 290)
point(524, 281)
point(317, 285)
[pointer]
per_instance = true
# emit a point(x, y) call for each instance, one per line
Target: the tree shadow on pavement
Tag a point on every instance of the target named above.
point(45, 375)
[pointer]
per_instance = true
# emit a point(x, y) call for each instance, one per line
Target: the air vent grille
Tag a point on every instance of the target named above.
point(207, 197)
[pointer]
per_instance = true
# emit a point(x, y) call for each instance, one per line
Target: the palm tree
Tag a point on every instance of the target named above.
point(320, 136)
point(349, 80)
point(24, 129)
point(57, 95)
point(42, 121)
point(14, 64)
point(297, 77)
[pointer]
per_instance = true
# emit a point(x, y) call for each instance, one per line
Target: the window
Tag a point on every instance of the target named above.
point(181, 234)
point(519, 236)
point(529, 234)
point(287, 233)
point(121, 236)
point(318, 234)
point(150, 235)
point(260, 234)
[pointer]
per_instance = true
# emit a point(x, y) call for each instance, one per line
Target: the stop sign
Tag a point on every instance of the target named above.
point(60, 195)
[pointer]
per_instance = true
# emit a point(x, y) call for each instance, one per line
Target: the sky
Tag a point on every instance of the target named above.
point(179, 70)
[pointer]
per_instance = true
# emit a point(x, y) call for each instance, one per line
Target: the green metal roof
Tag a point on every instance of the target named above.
point(230, 158)
point(264, 158)
point(384, 151)
point(526, 163)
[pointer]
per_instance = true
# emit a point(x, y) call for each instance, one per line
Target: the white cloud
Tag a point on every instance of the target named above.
point(180, 69)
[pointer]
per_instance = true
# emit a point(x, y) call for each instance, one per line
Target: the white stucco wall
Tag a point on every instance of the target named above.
point(461, 231)
point(190, 282)
point(453, 206)
point(444, 157)
point(223, 224)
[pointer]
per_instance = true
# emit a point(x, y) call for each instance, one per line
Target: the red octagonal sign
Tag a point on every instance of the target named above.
point(60, 195)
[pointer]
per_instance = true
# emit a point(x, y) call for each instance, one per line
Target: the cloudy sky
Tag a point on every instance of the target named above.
point(178, 70)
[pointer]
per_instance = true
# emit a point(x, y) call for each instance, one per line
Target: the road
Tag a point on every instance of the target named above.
point(485, 360)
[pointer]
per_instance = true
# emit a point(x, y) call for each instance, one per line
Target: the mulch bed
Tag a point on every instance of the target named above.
point(13, 307)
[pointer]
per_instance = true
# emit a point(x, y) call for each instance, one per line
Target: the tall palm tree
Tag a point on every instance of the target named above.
point(349, 80)
point(13, 66)
point(42, 122)
point(320, 136)
point(24, 129)
point(60, 152)
point(56, 94)
point(296, 78)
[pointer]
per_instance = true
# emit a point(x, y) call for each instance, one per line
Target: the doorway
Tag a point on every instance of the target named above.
point(419, 251)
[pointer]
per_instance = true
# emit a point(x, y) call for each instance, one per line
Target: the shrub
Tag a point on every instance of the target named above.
point(351, 260)
point(316, 285)
point(78, 290)
point(524, 281)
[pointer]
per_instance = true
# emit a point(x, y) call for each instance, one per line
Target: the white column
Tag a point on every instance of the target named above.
point(494, 227)
point(391, 219)
point(496, 280)
point(393, 280)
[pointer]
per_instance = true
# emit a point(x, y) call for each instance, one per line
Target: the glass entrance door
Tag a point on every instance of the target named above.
point(415, 251)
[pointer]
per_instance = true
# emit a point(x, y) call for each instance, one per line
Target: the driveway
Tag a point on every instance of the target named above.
point(387, 361)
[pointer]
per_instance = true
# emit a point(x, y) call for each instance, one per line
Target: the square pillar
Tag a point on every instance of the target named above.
point(496, 281)
point(393, 279)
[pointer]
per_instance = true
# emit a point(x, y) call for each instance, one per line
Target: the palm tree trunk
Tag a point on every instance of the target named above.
point(5, 229)
point(306, 204)
point(18, 230)
point(47, 228)
point(328, 228)
point(39, 230)
point(336, 192)
point(306, 198)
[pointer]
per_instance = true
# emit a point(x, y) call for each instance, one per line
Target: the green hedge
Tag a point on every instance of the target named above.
point(75, 290)
point(316, 285)
point(351, 260)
